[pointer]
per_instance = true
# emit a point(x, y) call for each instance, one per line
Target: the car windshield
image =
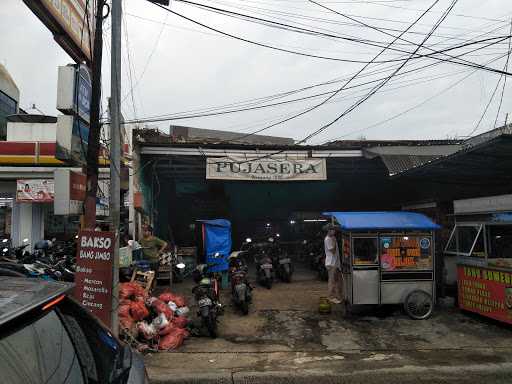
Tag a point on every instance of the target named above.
point(40, 352)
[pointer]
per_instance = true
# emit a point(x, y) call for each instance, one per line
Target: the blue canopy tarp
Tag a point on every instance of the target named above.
point(217, 240)
point(399, 220)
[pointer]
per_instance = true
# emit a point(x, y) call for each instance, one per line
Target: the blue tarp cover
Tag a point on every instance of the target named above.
point(217, 235)
point(398, 220)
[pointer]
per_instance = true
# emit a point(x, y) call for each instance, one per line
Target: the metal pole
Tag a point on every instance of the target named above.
point(115, 150)
point(93, 147)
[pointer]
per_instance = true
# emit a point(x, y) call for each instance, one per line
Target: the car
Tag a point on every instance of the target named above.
point(47, 337)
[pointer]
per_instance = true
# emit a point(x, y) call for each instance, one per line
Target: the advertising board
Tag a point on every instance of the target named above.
point(485, 291)
point(265, 169)
point(70, 190)
point(35, 191)
point(71, 22)
point(72, 140)
point(74, 91)
point(93, 277)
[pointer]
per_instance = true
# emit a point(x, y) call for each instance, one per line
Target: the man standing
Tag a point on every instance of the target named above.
point(152, 247)
point(333, 265)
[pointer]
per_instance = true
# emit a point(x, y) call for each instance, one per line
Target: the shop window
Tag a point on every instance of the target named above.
point(466, 240)
point(406, 252)
point(365, 250)
point(500, 241)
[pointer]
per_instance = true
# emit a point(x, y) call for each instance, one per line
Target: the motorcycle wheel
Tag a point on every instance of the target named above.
point(269, 283)
point(288, 278)
point(211, 325)
point(10, 272)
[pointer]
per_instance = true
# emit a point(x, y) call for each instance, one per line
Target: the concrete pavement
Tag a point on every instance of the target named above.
point(285, 339)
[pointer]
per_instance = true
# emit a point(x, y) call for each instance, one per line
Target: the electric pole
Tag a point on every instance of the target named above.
point(115, 150)
point(93, 146)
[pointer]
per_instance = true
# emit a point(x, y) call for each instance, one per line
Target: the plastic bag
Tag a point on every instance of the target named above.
point(160, 307)
point(130, 291)
point(170, 327)
point(180, 322)
point(182, 311)
point(126, 323)
point(173, 340)
point(124, 310)
point(160, 321)
point(172, 305)
point(138, 310)
point(179, 300)
point(147, 331)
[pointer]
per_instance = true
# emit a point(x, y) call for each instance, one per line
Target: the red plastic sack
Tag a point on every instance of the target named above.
point(124, 310)
point(179, 300)
point(126, 323)
point(160, 307)
point(180, 322)
point(138, 310)
point(172, 340)
point(130, 291)
point(167, 329)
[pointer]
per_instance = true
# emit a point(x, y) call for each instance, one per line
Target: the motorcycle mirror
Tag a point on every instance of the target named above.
point(180, 265)
point(248, 240)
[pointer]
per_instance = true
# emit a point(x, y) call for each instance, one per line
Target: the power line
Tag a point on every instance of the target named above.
point(505, 81)
point(451, 86)
point(354, 106)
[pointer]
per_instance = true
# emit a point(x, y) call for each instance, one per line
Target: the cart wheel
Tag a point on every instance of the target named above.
point(418, 305)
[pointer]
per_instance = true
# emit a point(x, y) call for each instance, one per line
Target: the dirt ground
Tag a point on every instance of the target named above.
point(285, 332)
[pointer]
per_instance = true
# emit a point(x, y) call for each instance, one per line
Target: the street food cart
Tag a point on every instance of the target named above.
point(387, 258)
point(481, 242)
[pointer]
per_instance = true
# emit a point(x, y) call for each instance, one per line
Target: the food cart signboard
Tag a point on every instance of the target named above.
point(486, 291)
point(93, 277)
point(34, 191)
point(265, 169)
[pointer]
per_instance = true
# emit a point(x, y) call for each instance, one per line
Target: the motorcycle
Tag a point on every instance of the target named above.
point(284, 267)
point(264, 268)
point(241, 290)
point(206, 294)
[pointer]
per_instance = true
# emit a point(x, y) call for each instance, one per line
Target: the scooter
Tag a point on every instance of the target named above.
point(284, 267)
point(264, 269)
point(241, 290)
point(206, 294)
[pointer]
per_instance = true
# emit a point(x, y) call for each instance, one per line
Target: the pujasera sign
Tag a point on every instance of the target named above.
point(265, 169)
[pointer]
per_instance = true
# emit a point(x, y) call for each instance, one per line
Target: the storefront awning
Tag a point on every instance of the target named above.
point(383, 220)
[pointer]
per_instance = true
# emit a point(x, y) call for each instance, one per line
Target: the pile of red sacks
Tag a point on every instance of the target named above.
point(158, 322)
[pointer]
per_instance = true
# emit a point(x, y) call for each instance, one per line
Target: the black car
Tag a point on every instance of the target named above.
point(47, 337)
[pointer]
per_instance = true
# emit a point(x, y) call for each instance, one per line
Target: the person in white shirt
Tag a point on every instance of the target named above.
point(333, 265)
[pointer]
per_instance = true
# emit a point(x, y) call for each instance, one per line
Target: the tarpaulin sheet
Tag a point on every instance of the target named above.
point(217, 239)
point(399, 220)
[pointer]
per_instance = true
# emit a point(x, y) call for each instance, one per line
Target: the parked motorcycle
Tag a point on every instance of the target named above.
point(284, 267)
point(264, 268)
point(206, 294)
point(241, 290)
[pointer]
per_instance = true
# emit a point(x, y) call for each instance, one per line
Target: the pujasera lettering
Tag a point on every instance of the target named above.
point(266, 168)
point(97, 242)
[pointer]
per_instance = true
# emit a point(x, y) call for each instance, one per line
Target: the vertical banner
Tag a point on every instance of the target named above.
point(93, 277)
point(485, 291)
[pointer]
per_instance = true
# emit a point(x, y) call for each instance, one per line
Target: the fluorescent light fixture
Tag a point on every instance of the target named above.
point(180, 265)
point(314, 220)
point(292, 222)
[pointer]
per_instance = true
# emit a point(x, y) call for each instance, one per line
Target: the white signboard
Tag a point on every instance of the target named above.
point(265, 169)
point(70, 189)
point(483, 204)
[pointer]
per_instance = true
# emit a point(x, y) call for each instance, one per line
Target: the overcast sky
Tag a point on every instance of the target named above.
point(178, 66)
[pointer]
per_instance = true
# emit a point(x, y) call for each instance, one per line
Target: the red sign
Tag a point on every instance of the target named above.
point(93, 277)
point(77, 186)
point(486, 291)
